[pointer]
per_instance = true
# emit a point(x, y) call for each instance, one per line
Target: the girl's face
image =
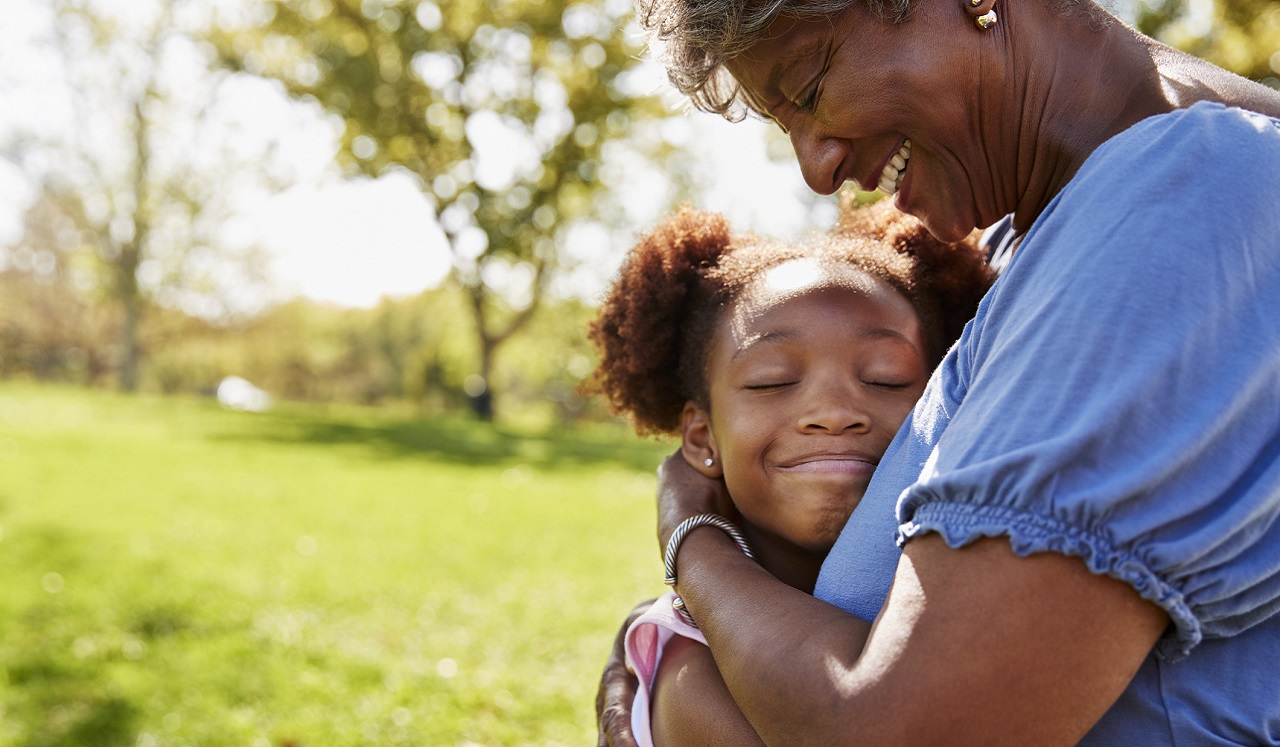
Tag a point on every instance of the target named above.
point(810, 374)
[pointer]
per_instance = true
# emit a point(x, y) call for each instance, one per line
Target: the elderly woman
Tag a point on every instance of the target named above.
point(1074, 537)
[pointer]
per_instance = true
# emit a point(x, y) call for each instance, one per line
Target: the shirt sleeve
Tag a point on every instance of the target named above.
point(1120, 387)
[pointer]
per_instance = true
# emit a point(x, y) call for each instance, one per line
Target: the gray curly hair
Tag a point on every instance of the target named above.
point(694, 39)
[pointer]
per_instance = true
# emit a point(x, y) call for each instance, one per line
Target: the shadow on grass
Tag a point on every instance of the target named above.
point(461, 441)
point(54, 697)
point(97, 722)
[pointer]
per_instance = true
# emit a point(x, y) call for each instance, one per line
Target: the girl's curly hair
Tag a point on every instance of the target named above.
point(655, 324)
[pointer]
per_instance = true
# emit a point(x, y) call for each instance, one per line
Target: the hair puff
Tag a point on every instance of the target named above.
point(641, 327)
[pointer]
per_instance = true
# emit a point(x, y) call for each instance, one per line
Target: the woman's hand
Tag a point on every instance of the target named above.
point(618, 690)
point(684, 492)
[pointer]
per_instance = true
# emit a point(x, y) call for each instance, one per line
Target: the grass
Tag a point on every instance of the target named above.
point(174, 574)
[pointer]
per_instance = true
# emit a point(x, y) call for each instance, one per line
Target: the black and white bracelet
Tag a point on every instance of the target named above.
point(677, 537)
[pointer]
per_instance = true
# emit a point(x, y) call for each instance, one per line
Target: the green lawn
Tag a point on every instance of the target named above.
point(174, 574)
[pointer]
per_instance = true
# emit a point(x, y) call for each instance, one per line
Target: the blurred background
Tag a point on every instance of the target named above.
point(293, 444)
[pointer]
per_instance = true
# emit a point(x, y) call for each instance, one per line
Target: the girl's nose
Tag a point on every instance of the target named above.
point(835, 410)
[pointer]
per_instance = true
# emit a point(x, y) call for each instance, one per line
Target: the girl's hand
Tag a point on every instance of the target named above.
point(684, 492)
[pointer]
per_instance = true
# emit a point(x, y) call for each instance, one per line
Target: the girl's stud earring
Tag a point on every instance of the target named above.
point(709, 461)
point(986, 20)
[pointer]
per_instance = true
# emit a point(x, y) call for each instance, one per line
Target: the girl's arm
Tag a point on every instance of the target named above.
point(973, 645)
point(691, 705)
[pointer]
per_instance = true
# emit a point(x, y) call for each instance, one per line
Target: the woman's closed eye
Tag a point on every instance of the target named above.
point(809, 100)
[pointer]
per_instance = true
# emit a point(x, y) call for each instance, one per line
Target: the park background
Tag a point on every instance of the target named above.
point(394, 219)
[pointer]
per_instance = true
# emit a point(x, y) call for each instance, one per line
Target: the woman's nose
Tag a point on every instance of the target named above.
point(820, 160)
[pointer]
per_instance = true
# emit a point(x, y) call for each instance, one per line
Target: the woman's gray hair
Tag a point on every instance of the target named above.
point(694, 39)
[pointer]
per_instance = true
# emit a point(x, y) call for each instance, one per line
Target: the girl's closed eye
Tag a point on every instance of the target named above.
point(890, 384)
point(763, 379)
point(767, 385)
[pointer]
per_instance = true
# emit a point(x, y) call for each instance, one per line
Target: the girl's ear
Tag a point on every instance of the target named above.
point(699, 443)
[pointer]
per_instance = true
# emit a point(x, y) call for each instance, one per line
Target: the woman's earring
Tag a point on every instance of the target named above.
point(983, 12)
point(708, 461)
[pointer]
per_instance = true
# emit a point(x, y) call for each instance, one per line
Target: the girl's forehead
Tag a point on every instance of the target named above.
point(801, 277)
point(809, 273)
point(811, 286)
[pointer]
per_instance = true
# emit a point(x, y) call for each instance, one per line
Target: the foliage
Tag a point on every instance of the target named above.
point(504, 111)
point(307, 577)
point(49, 331)
point(136, 173)
point(1242, 36)
point(413, 350)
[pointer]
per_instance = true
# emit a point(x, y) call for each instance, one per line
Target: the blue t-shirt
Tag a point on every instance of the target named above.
point(1117, 398)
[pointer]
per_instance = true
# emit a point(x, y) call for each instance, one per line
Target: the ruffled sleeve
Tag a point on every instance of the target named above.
point(1118, 396)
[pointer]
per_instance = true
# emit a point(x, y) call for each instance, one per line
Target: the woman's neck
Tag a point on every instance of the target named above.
point(1085, 81)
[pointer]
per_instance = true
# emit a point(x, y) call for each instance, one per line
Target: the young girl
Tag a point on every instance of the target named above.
point(787, 370)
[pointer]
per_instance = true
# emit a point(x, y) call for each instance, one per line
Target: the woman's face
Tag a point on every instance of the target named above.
point(853, 91)
point(810, 375)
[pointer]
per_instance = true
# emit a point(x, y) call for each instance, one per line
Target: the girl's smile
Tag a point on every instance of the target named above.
point(844, 464)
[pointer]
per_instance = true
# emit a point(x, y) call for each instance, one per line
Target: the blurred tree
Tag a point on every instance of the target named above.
point(1241, 35)
point(134, 172)
point(504, 110)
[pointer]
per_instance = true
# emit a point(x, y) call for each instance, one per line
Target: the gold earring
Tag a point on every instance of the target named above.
point(983, 12)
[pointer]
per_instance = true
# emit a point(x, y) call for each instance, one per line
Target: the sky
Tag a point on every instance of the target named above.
point(318, 233)
point(352, 241)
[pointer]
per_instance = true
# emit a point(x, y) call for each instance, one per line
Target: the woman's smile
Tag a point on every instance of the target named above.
point(894, 171)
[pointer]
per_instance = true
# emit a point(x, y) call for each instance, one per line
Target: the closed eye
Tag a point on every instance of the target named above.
point(810, 99)
point(889, 384)
point(767, 386)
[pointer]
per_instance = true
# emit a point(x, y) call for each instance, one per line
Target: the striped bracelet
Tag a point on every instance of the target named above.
point(677, 537)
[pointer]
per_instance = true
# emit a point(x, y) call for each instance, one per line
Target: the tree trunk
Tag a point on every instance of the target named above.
point(482, 401)
point(129, 344)
point(131, 253)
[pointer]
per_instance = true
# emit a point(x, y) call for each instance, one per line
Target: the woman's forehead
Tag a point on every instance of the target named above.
point(786, 43)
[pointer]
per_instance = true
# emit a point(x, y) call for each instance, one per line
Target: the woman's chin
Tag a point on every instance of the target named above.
point(943, 228)
point(946, 224)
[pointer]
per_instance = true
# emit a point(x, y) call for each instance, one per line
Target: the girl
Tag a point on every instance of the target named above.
point(786, 370)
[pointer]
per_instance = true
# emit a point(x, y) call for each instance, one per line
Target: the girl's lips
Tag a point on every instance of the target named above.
point(833, 464)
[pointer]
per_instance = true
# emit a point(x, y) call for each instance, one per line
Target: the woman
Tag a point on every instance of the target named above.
point(1086, 495)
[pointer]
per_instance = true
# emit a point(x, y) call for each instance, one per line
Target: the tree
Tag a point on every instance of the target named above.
point(1241, 35)
point(132, 161)
point(505, 113)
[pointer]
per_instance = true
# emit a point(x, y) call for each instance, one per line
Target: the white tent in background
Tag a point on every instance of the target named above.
point(240, 395)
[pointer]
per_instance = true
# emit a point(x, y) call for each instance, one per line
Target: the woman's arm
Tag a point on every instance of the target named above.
point(973, 645)
point(617, 690)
